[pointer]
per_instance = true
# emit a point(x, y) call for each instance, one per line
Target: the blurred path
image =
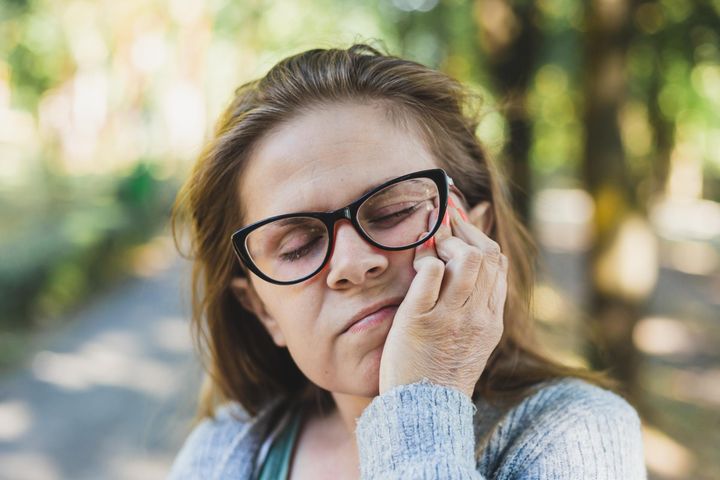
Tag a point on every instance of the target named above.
point(680, 363)
point(109, 394)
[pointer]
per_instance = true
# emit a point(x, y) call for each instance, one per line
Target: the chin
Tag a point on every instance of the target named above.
point(371, 374)
point(371, 391)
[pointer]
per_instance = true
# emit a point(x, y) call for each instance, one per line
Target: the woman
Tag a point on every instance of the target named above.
point(361, 291)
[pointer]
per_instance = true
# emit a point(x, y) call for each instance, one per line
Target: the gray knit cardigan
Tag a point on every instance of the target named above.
point(565, 429)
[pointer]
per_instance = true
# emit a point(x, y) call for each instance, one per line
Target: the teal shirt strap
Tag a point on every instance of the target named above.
point(277, 463)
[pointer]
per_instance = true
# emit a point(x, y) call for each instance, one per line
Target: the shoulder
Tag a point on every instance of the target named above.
point(575, 399)
point(569, 425)
point(212, 443)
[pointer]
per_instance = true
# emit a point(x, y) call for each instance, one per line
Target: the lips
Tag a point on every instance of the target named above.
point(364, 312)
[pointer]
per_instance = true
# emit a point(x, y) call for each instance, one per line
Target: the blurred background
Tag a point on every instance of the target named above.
point(604, 114)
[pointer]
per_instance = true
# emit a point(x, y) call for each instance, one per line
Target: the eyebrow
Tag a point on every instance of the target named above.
point(368, 190)
point(291, 220)
point(381, 182)
point(288, 222)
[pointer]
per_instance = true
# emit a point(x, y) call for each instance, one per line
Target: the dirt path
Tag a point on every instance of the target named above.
point(108, 395)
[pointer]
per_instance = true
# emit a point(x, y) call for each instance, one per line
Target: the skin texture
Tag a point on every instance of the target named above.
point(451, 317)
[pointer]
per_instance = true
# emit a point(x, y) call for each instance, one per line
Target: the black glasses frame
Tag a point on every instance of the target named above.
point(349, 212)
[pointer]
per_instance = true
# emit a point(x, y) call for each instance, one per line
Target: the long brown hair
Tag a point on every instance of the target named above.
point(241, 360)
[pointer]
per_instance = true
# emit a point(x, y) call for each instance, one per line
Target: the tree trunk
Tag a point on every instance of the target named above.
point(622, 237)
point(510, 41)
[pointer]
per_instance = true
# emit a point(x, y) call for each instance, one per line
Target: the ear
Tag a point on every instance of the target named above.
point(482, 216)
point(246, 294)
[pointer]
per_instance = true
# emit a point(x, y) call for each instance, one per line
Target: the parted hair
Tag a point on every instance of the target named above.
point(241, 361)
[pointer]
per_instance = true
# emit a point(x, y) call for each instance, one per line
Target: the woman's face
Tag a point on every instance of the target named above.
point(321, 161)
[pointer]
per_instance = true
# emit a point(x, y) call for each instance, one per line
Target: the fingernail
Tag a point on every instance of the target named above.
point(463, 215)
point(451, 203)
point(456, 215)
point(429, 243)
point(446, 219)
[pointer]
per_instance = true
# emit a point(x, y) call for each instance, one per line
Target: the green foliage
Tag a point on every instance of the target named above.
point(61, 259)
point(11, 8)
point(34, 47)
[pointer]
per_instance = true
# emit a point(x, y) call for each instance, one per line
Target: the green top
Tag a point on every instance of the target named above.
point(277, 462)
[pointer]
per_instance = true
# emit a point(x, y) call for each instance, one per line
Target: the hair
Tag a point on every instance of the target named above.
point(241, 360)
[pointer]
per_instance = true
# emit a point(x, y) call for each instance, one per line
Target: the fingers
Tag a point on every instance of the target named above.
point(496, 302)
point(453, 203)
point(424, 250)
point(424, 290)
point(474, 263)
point(473, 235)
point(459, 263)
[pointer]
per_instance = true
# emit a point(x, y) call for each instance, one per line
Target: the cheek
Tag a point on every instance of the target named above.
point(294, 308)
point(311, 344)
point(299, 309)
point(402, 263)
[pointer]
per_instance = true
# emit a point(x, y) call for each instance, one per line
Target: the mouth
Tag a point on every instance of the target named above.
point(372, 315)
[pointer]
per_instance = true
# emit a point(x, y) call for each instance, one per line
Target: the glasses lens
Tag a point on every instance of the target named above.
point(396, 216)
point(288, 249)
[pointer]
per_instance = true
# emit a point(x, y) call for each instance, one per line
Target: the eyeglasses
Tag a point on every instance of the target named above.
point(290, 248)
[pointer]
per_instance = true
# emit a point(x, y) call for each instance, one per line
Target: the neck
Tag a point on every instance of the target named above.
point(349, 408)
point(339, 425)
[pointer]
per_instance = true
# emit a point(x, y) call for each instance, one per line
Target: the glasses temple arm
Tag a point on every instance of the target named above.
point(457, 191)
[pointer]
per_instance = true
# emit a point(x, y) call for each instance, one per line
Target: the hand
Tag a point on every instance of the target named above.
point(452, 316)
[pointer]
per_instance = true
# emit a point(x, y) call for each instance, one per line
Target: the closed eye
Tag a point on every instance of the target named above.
point(399, 214)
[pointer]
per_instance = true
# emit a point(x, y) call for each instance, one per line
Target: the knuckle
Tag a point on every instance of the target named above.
point(494, 254)
point(493, 248)
point(504, 261)
point(434, 265)
point(489, 244)
point(472, 257)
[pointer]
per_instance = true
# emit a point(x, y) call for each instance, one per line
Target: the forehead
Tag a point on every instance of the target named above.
point(325, 158)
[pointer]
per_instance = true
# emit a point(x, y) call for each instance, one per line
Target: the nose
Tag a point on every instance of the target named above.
point(353, 260)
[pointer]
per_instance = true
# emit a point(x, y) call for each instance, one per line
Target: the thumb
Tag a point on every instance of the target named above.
point(425, 287)
point(424, 250)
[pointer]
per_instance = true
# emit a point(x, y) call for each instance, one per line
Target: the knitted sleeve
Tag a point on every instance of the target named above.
point(419, 431)
point(568, 430)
